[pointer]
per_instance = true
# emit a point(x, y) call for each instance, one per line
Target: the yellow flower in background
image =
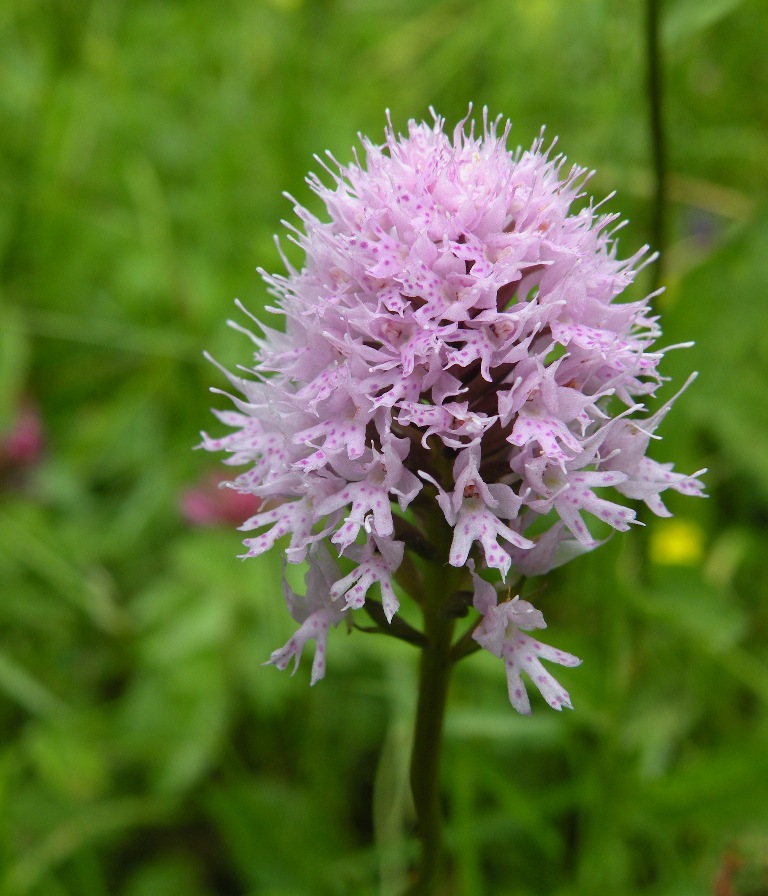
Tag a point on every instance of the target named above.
point(677, 542)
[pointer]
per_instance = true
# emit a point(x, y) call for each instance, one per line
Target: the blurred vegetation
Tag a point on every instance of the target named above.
point(144, 751)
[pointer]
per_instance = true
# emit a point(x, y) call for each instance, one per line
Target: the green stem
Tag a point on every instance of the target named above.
point(397, 628)
point(434, 675)
point(655, 86)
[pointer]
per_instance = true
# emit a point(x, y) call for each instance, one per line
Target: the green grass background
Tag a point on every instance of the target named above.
point(144, 147)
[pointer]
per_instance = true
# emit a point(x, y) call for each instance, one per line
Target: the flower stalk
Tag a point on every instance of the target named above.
point(434, 679)
point(655, 88)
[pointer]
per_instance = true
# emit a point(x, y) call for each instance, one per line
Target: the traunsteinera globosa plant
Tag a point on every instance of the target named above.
point(455, 389)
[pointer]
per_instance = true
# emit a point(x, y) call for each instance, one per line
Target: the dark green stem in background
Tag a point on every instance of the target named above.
point(654, 75)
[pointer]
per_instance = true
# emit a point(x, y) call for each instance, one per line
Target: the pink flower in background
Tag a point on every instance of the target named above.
point(213, 503)
point(453, 348)
point(22, 444)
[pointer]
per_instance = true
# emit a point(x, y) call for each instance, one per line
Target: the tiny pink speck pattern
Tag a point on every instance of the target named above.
point(454, 340)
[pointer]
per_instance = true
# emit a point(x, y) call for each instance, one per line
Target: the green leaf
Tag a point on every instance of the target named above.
point(89, 825)
point(686, 17)
point(21, 686)
point(723, 306)
point(14, 361)
point(690, 607)
point(174, 874)
point(70, 758)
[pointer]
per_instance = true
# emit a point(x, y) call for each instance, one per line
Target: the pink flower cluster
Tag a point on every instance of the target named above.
point(22, 443)
point(453, 346)
point(210, 503)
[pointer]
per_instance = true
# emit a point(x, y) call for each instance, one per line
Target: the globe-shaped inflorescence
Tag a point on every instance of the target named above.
point(453, 350)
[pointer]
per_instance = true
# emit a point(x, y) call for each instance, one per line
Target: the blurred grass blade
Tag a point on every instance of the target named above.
point(26, 690)
point(71, 835)
point(686, 17)
point(30, 546)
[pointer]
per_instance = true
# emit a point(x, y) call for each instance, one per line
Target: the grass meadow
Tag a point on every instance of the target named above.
point(144, 750)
